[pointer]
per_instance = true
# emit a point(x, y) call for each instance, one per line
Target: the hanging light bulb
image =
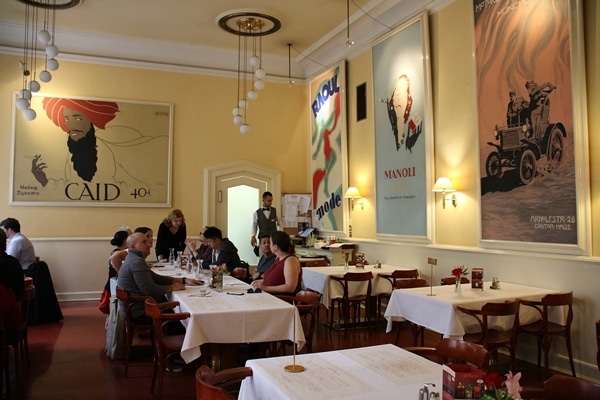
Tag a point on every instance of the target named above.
point(29, 114)
point(43, 36)
point(252, 95)
point(51, 64)
point(291, 82)
point(245, 129)
point(45, 76)
point(258, 84)
point(349, 42)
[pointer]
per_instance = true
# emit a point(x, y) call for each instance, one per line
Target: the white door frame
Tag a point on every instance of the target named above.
point(213, 173)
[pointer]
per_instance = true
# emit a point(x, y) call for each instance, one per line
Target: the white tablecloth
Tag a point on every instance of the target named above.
point(227, 318)
point(318, 279)
point(439, 312)
point(376, 372)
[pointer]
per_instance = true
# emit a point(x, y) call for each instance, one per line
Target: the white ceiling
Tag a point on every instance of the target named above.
point(185, 33)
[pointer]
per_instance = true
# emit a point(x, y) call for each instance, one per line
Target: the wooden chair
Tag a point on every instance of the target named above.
point(545, 331)
point(3, 358)
point(417, 330)
point(131, 328)
point(316, 263)
point(346, 302)
point(493, 339)
point(211, 385)
point(564, 387)
point(598, 343)
point(392, 278)
point(455, 351)
point(451, 280)
point(307, 303)
point(18, 339)
point(165, 347)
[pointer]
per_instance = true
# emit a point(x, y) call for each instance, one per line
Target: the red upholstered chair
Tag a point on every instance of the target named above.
point(493, 339)
point(346, 302)
point(211, 385)
point(455, 351)
point(545, 331)
point(131, 328)
point(165, 347)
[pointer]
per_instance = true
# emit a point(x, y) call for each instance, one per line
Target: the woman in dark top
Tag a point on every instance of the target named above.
point(119, 242)
point(284, 276)
point(171, 235)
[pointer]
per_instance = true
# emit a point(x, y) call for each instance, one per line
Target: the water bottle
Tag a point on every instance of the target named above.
point(171, 256)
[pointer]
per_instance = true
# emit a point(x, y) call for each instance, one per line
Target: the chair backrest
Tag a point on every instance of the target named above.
point(129, 301)
point(26, 300)
point(558, 300)
point(451, 280)
point(210, 385)
point(460, 350)
point(358, 277)
point(564, 387)
point(410, 283)
point(160, 319)
point(316, 263)
point(405, 273)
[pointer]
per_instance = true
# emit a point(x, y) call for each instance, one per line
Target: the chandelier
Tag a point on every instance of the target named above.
point(40, 24)
point(250, 27)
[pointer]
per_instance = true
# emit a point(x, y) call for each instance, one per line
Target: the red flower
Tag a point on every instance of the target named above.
point(459, 271)
point(493, 380)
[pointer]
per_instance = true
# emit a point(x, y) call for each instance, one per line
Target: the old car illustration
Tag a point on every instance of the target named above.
point(529, 142)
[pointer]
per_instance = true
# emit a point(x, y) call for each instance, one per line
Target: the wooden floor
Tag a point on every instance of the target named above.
point(68, 361)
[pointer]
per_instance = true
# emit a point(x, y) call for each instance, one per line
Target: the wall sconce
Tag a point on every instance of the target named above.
point(444, 185)
point(352, 193)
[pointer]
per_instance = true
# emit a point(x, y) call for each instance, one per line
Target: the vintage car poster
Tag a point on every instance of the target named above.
point(403, 133)
point(524, 60)
point(328, 149)
point(92, 152)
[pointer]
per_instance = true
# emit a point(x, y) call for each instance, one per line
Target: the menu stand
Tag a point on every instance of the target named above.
point(294, 367)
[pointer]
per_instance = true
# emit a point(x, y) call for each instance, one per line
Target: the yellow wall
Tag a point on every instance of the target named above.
point(204, 135)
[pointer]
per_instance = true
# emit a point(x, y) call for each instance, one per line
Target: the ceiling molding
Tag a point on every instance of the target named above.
point(179, 57)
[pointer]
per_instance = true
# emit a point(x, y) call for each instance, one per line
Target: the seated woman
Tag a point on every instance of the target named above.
point(285, 275)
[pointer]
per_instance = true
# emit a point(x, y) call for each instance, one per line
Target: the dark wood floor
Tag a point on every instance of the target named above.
point(68, 360)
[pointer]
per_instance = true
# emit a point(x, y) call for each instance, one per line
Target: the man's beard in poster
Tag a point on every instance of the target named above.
point(84, 155)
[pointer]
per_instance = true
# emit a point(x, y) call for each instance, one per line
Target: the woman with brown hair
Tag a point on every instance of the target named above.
point(172, 233)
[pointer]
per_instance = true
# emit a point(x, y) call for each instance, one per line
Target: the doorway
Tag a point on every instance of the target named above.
point(232, 193)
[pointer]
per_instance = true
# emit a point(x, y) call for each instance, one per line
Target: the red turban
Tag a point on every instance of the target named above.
point(98, 112)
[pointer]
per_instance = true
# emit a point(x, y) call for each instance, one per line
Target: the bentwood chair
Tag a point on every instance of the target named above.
point(131, 328)
point(211, 385)
point(451, 280)
point(3, 358)
point(455, 351)
point(564, 387)
point(544, 330)
point(598, 343)
point(417, 330)
point(165, 346)
point(307, 303)
point(392, 278)
point(316, 263)
point(490, 338)
point(355, 301)
point(17, 338)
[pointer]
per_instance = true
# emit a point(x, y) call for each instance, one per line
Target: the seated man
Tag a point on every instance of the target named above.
point(202, 253)
point(267, 258)
point(139, 280)
point(19, 247)
point(11, 273)
point(223, 250)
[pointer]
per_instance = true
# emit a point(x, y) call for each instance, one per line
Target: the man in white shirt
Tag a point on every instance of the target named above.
point(19, 246)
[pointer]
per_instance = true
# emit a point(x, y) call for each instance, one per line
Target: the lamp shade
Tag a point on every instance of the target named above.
point(352, 193)
point(443, 184)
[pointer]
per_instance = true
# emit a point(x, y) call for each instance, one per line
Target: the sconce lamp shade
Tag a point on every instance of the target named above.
point(444, 185)
point(352, 193)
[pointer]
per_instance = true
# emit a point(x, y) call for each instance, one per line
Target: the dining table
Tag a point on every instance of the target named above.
point(374, 372)
point(319, 280)
point(233, 315)
point(435, 307)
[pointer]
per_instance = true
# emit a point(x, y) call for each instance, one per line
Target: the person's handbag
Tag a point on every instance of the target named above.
point(115, 331)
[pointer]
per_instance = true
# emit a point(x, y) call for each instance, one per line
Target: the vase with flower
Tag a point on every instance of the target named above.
point(502, 388)
point(345, 258)
point(217, 273)
point(458, 273)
